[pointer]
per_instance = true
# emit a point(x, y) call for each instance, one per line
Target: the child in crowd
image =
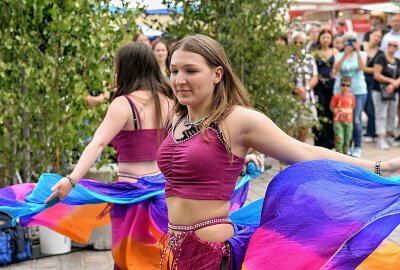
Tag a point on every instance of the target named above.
point(342, 105)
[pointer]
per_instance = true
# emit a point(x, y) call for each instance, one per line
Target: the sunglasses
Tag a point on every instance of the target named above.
point(392, 45)
point(345, 85)
point(298, 43)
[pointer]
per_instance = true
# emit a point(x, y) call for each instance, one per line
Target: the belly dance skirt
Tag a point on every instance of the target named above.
point(197, 253)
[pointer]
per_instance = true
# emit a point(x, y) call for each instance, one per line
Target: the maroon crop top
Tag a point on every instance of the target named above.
point(195, 168)
point(138, 144)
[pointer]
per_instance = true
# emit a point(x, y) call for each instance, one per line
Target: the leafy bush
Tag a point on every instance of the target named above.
point(53, 54)
point(247, 30)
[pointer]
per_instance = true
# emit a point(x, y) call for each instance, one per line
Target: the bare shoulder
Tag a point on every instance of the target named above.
point(119, 105)
point(241, 119)
point(241, 115)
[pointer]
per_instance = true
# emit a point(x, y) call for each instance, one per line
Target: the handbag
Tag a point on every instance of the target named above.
point(386, 96)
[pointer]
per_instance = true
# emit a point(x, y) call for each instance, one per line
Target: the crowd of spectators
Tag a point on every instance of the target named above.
point(324, 65)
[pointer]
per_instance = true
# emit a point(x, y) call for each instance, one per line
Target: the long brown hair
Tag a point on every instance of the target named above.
point(136, 68)
point(229, 92)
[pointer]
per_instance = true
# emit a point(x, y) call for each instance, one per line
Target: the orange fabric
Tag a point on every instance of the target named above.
point(385, 257)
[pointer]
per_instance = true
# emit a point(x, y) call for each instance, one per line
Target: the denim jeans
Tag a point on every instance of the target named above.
point(357, 112)
point(369, 107)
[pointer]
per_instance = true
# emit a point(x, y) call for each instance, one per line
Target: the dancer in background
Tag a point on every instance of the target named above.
point(135, 124)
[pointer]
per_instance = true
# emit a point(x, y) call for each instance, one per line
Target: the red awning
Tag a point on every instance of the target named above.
point(361, 1)
point(340, 5)
point(300, 12)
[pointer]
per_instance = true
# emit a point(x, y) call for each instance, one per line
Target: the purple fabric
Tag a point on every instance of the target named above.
point(238, 245)
point(322, 214)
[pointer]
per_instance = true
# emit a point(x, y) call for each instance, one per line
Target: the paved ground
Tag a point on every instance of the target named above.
point(102, 260)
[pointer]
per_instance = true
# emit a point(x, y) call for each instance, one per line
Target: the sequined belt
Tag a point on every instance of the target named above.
point(133, 176)
point(199, 225)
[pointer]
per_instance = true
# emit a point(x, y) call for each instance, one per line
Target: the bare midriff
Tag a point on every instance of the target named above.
point(188, 211)
point(139, 168)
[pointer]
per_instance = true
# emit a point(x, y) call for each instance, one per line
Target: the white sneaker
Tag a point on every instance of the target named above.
point(357, 152)
point(369, 139)
point(391, 142)
point(350, 151)
point(382, 144)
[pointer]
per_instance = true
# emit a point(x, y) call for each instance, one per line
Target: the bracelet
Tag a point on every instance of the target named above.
point(70, 180)
point(378, 167)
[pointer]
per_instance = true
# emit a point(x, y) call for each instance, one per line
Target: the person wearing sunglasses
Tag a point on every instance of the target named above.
point(342, 105)
point(351, 62)
point(387, 80)
point(304, 72)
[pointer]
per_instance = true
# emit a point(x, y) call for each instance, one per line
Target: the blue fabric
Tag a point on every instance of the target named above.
point(93, 192)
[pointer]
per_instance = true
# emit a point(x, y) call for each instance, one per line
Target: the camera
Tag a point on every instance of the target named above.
point(351, 41)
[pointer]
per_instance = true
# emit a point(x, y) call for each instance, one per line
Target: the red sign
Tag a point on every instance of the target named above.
point(361, 26)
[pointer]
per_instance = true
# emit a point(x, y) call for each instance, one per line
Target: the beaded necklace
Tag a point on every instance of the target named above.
point(189, 124)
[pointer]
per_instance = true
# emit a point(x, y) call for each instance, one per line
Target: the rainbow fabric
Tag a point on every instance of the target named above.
point(137, 211)
point(320, 215)
point(315, 215)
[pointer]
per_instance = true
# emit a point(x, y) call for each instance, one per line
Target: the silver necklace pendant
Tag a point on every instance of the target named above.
point(187, 122)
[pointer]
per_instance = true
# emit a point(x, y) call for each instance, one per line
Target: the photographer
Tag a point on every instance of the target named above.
point(351, 63)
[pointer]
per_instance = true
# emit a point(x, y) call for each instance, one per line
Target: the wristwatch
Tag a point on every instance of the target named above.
point(308, 88)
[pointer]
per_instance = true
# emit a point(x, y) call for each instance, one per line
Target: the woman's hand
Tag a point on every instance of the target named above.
point(254, 158)
point(348, 50)
point(390, 167)
point(390, 88)
point(61, 190)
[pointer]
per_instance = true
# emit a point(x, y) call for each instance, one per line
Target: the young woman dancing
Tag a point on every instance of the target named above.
point(314, 212)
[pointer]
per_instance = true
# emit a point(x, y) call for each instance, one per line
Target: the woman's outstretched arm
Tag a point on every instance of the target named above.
point(253, 129)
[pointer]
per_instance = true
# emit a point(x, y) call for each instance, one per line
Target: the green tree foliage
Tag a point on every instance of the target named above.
point(53, 53)
point(247, 29)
